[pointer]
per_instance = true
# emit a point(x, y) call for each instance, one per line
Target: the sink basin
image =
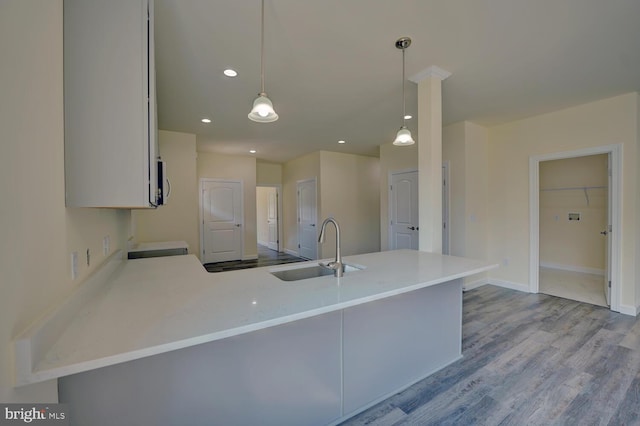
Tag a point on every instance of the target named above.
point(314, 271)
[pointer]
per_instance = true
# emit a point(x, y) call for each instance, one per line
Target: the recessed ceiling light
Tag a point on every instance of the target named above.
point(341, 141)
point(253, 151)
point(408, 117)
point(230, 73)
point(206, 120)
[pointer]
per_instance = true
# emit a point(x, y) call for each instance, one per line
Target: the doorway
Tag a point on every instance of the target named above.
point(222, 217)
point(307, 218)
point(573, 220)
point(575, 232)
point(268, 221)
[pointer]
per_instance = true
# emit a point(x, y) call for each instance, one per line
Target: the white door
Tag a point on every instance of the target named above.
point(403, 194)
point(607, 234)
point(307, 217)
point(222, 216)
point(272, 219)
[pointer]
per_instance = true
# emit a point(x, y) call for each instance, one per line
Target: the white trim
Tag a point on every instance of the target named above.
point(629, 310)
point(446, 206)
point(615, 151)
point(509, 284)
point(572, 268)
point(432, 71)
point(201, 217)
point(250, 257)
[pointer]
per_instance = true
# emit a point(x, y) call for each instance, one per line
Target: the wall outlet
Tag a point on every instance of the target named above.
point(74, 265)
point(106, 245)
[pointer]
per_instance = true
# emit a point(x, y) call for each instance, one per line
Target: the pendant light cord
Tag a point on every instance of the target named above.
point(404, 112)
point(262, 50)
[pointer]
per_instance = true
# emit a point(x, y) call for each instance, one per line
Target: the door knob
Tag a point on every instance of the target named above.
point(238, 225)
point(604, 233)
point(313, 224)
point(413, 228)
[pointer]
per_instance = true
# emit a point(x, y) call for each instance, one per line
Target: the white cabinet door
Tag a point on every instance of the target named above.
point(109, 97)
point(222, 218)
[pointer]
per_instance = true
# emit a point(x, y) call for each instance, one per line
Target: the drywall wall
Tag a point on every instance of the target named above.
point(350, 194)
point(38, 232)
point(392, 159)
point(605, 122)
point(465, 149)
point(301, 168)
point(178, 219)
point(235, 167)
point(574, 244)
point(454, 151)
point(268, 174)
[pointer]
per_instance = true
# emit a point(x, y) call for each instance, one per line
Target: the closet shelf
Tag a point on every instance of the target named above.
point(573, 188)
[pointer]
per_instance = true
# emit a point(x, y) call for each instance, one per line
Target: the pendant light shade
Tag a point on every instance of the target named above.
point(403, 137)
point(262, 111)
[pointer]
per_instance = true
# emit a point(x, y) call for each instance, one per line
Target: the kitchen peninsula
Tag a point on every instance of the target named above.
point(161, 341)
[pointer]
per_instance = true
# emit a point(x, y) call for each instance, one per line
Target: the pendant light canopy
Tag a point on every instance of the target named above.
point(403, 137)
point(262, 111)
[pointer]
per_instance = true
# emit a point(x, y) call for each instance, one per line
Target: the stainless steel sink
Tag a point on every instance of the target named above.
point(314, 271)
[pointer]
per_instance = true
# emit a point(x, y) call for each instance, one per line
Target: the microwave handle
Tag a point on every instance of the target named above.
point(168, 194)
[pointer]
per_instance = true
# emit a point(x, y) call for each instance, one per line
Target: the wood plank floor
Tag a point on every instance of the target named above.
point(529, 359)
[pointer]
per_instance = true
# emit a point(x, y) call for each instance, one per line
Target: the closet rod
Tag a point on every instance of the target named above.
point(574, 188)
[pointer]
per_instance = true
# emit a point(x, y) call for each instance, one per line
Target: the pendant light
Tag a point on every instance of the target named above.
point(262, 111)
point(403, 137)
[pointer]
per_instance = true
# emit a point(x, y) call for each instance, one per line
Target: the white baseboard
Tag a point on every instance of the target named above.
point(291, 252)
point(629, 310)
point(263, 243)
point(572, 268)
point(509, 284)
point(250, 257)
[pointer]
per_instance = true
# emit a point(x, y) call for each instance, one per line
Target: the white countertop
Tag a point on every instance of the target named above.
point(150, 306)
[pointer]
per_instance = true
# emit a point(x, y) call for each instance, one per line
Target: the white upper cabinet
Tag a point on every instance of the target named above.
point(109, 99)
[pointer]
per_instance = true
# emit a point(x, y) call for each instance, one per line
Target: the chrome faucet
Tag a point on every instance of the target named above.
point(336, 265)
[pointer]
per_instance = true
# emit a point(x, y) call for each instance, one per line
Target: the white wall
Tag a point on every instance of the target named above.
point(268, 174)
point(37, 232)
point(178, 219)
point(609, 121)
point(350, 193)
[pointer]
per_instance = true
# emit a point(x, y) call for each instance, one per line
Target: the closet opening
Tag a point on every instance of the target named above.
point(574, 225)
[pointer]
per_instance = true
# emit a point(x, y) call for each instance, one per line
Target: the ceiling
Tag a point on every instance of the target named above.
point(333, 72)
